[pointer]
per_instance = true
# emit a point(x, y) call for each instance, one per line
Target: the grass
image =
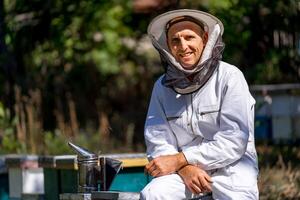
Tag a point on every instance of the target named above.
point(279, 177)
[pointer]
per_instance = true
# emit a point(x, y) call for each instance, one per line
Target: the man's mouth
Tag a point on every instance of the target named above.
point(185, 55)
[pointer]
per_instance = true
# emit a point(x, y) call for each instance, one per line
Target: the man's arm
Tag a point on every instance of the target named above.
point(195, 179)
point(164, 165)
point(159, 138)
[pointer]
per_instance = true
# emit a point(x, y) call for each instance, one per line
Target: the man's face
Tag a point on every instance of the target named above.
point(186, 41)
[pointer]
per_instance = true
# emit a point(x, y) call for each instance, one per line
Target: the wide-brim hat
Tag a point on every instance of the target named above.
point(157, 27)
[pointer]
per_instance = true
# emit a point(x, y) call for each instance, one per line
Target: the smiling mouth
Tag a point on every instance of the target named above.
point(185, 55)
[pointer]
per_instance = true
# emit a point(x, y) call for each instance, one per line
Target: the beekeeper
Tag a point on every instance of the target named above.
point(199, 128)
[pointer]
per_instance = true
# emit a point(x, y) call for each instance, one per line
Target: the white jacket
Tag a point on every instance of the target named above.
point(213, 127)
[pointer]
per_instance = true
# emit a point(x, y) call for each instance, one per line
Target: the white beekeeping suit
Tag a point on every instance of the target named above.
point(211, 121)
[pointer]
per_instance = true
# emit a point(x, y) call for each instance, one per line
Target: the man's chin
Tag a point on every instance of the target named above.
point(187, 66)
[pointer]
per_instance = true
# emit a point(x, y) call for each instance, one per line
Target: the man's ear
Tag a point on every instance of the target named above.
point(205, 38)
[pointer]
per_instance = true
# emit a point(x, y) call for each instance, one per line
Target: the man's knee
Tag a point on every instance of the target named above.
point(155, 191)
point(167, 187)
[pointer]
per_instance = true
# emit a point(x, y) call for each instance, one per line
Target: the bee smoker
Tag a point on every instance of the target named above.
point(90, 171)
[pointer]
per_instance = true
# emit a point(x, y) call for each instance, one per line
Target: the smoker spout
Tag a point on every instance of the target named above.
point(82, 152)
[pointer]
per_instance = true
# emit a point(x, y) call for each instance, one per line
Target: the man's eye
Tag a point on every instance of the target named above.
point(190, 37)
point(175, 40)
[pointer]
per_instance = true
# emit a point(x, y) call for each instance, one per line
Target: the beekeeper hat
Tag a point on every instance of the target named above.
point(158, 26)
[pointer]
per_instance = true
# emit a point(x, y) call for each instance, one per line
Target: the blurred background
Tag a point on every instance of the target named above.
point(83, 71)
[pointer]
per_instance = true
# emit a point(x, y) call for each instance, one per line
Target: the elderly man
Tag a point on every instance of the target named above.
point(199, 126)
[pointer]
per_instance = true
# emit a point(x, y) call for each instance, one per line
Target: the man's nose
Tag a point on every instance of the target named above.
point(183, 44)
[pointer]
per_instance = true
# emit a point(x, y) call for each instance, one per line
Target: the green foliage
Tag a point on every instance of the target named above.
point(8, 141)
point(251, 31)
point(56, 144)
point(11, 145)
point(269, 71)
point(86, 32)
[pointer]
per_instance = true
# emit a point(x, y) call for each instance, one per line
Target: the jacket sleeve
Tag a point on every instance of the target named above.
point(236, 118)
point(159, 138)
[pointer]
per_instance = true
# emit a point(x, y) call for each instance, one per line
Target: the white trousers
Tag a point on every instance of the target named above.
point(169, 187)
point(172, 187)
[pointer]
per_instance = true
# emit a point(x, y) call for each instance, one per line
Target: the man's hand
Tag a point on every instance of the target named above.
point(164, 165)
point(195, 179)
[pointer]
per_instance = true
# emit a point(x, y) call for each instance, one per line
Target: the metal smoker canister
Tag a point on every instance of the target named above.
point(89, 170)
point(89, 174)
